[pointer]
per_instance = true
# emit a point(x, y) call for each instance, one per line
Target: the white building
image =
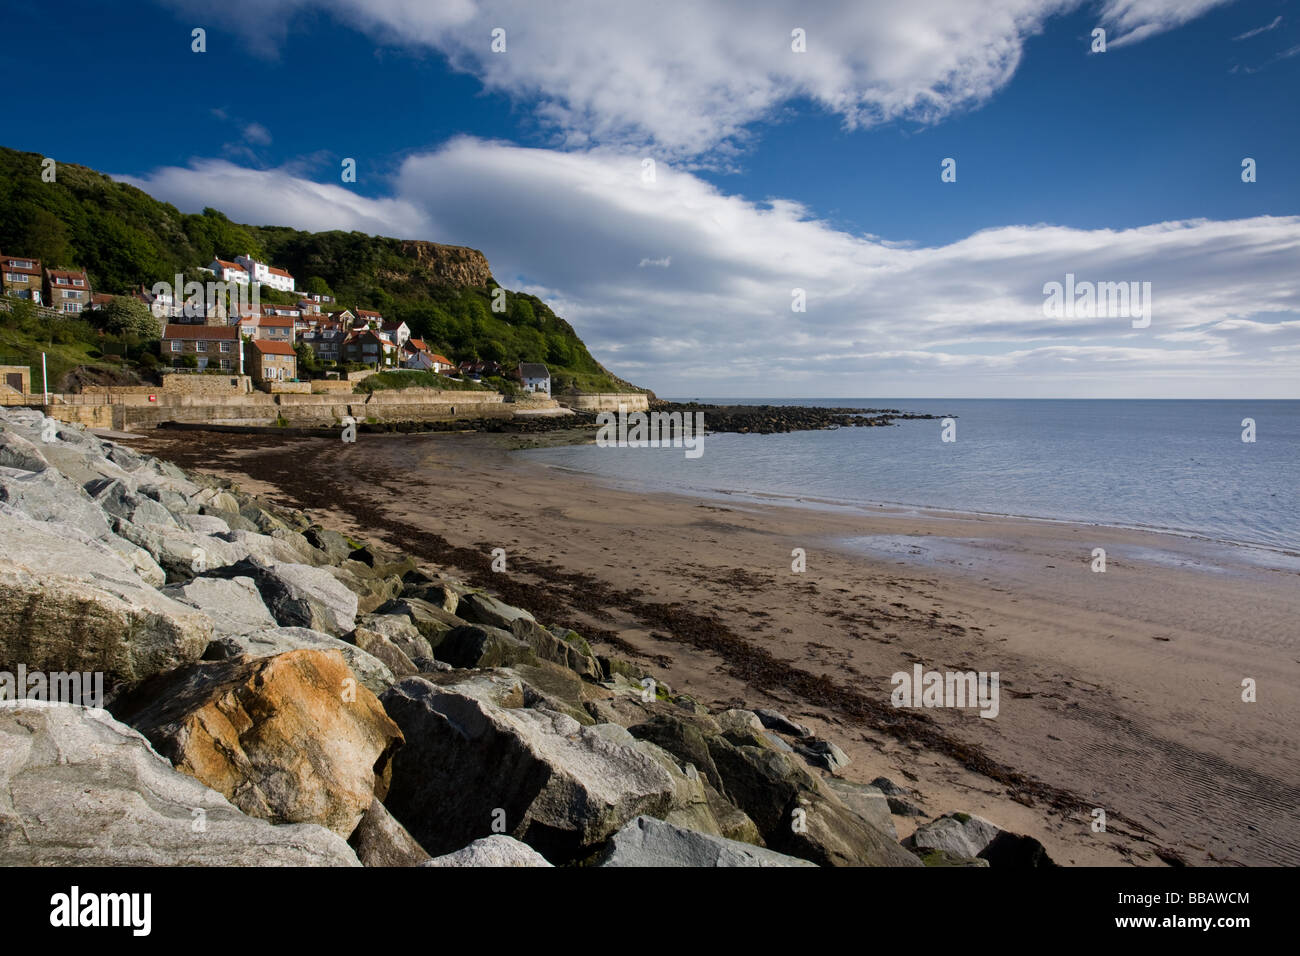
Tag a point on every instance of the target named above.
point(535, 377)
point(263, 274)
point(228, 271)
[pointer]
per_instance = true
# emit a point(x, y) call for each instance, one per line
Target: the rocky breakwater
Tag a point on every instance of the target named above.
point(277, 693)
point(774, 419)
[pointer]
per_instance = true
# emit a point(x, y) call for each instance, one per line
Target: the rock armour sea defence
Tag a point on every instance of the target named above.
point(281, 694)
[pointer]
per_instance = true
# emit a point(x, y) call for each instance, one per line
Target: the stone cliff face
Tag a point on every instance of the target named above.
point(452, 265)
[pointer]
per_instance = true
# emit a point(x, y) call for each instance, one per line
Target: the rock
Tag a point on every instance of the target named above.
point(438, 593)
point(943, 858)
point(739, 722)
point(370, 670)
point(115, 498)
point(685, 739)
point(549, 781)
point(398, 629)
point(234, 604)
point(611, 666)
point(383, 563)
point(479, 608)
point(180, 552)
point(822, 753)
point(149, 571)
point(71, 603)
point(375, 644)
point(290, 739)
point(49, 496)
point(298, 595)
point(495, 850)
point(548, 647)
point(474, 646)
point(551, 686)
point(1015, 851)
point(372, 592)
point(866, 801)
point(202, 524)
point(795, 816)
point(17, 452)
point(430, 621)
point(334, 544)
point(379, 840)
point(778, 722)
point(646, 841)
point(957, 834)
point(270, 549)
point(77, 788)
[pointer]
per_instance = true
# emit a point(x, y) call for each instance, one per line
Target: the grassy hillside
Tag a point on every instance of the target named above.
point(124, 238)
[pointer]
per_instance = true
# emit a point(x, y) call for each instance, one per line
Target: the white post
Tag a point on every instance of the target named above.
point(45, 382)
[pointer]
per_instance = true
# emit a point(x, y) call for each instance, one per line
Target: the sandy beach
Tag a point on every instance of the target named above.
point(1119, 690)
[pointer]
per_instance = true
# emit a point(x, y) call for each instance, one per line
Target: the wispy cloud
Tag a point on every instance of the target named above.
point(1258, 30)
point(887, 317)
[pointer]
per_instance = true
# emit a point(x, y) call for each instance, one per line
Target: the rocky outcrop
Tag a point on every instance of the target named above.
point(495, 850)
point(77, 788)
point(539, 775)
point(455, 266)
point(291, 739)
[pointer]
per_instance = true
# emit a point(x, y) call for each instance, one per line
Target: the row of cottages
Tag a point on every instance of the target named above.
point(67, 290)
point(223, 347)
point(245, 270)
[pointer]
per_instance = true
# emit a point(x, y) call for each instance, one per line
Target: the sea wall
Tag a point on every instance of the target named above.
point(605, 401)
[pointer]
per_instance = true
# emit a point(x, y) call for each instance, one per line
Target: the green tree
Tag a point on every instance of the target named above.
point(129, 316)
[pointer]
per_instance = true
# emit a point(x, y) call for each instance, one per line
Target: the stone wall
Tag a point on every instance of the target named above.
point(606, 401)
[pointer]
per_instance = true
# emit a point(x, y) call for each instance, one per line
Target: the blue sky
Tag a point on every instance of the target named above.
point(777, 170)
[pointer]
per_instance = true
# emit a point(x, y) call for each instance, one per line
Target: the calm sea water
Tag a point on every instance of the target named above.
point(1168, 465)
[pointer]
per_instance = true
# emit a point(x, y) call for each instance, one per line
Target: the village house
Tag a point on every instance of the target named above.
point(417, 355)
point(369, 317)
point(264, 274)
point(325, 342)
point(209, 344)
point(228, 271)
point(399, 332)
point(536, 378)
point(100, 300)
point(256, 324)
point(368, 347)
point(476, 370)
point(21, 277)
point(67, 290)
point(270, 361)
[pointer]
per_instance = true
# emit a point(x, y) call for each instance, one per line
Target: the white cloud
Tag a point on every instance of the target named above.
point(1258, 30)
point(883, 318)
point(257, 133)
point(687, 78)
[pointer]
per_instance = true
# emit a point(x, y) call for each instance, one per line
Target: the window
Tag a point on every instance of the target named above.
point(71, 307)
point(22, 263)
point(225, 364)
point(200, 346)
point(176, 345)
point(80, 282)
point(225, 347)
point(72, 295)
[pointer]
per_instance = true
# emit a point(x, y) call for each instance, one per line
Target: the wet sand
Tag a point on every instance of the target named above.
point(1119, 690)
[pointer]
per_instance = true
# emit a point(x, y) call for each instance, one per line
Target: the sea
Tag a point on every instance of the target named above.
point(1175, 466)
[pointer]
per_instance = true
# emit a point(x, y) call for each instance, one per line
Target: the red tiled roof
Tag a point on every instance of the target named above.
point(417, 344)
point(7, 262)
point(279, 272)
point(230, 265)
point(442, 359)
point(175, 331)
point(280, 321)
point(65, 274)
point(273, 348)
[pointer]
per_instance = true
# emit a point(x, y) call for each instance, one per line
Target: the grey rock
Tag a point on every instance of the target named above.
point(475, 646)
point(958, 834)
point(379, 840)
point(479, 608)
point(77, 788)
point(49, 496)
point(646, 841)
point(780, 723)
point(370, 670)
point(234, 604)
point(559, 787)
point(495, 850)
point(299, 595)
point(866, 801)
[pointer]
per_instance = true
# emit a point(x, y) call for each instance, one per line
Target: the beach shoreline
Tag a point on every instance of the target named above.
point(1120, 691)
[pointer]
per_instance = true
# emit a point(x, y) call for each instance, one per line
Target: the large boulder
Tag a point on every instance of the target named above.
point(866, 801)
point(957, 834)
point(431, 621)
point(117, 500)
point(292, 738)
point(399, 629)
point(381, 841)
point(49, 496)
point(299, 595)
point(77, 788)
point(182, 553)
point(71, 603)
point(480, 608)
point(271, 641)
point(495, 850)
point(234, 604)
point(548, 647)
point(649, 842)
point(795, 815)
point(377, 645)
point(472, 645)
point(471, 768)
point(17, 452)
